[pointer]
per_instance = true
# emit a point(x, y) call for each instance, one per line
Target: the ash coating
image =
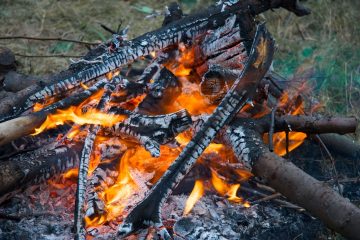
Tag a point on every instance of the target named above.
point(47, 213)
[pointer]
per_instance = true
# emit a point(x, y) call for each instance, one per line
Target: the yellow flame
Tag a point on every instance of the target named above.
point(225, 189)
point(196, 194)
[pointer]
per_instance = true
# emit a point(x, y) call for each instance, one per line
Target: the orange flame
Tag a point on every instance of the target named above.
point(72, 114)
point(226, 189)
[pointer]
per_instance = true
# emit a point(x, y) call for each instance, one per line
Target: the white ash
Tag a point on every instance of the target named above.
point(213, 217)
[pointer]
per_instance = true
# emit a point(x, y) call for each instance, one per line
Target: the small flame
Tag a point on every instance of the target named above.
point(196, 194)
point(226, 189)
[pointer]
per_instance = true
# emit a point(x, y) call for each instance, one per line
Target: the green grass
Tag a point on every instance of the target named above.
point(325, 43)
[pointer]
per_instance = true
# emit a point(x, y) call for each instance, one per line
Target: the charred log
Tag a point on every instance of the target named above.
point(36, 166)
point(9, 130)
point(84, 164)
point(185, 28)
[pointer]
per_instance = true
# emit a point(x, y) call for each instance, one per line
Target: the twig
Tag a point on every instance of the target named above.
point(48, 56)
point(345, 180)
point(271, 131)
point(49, 39)
point(281, 202)
point(267, 198)
point(332, 160)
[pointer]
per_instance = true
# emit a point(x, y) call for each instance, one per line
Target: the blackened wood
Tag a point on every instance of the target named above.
point(147, 212)
point(84, 165)
point(162, 93)
point(150, 131)
point(10, 130)
point(173, 12)
point(110, 155)
point(36, 166)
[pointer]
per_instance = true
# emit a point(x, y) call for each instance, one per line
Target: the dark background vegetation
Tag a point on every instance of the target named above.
point(323, 48)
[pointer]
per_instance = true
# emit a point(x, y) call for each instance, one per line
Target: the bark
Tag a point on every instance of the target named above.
point(316, 197)
point(342, 144)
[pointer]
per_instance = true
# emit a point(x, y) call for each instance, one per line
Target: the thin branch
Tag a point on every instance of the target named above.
point(49, 39)
point(48, 56)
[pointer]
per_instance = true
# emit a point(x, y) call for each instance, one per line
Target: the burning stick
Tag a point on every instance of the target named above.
point(147, 212)
point(84, 164)
point(245, 136)
point(107, 168)
point(10, 130)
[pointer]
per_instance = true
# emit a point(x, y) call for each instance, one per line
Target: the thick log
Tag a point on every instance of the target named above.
point(316, 197)
point(342, 144)
point(36, 166)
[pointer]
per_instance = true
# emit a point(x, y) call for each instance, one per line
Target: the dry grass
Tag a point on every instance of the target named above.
point(326, 42)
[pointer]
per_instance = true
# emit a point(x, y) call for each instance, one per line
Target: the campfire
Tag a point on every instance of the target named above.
point(193, 107)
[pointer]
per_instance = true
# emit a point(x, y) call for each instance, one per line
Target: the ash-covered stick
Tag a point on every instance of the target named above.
point(99, 179)
point(147, 212)
point(84, 165)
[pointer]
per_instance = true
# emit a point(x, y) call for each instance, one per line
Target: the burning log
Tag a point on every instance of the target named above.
point(147, 211)
point(10, 131)
point(84, 163)
point(245, 136)
point(99, 179)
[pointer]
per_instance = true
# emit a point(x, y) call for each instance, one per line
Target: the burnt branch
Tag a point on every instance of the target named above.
point(84, 163)
point(184, 29)
point(10, 131)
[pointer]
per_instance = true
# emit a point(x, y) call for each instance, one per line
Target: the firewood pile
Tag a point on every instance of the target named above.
point(194, 106)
